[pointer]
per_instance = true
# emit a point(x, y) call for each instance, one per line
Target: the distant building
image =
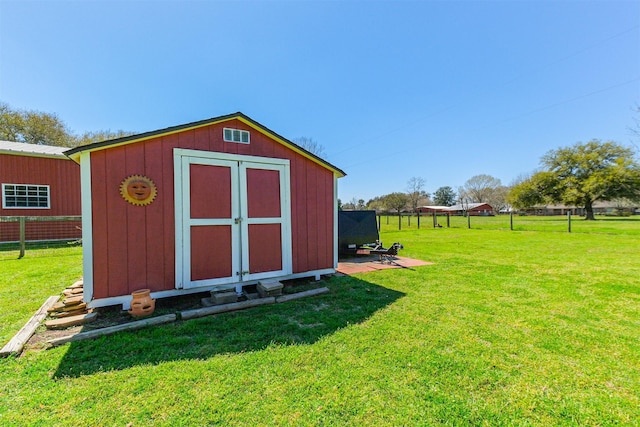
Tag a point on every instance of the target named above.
point(38, 181)
point(474, 209)
point(599, 208)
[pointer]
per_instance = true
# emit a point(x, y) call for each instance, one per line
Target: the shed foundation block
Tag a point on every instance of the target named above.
point(270, 288)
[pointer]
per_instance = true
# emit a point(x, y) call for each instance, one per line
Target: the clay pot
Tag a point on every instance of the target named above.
point(142, 304)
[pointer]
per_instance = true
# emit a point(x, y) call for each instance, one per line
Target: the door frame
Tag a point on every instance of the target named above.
point(182, 199)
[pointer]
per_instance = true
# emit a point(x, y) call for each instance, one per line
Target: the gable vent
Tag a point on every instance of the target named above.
point(236, 135)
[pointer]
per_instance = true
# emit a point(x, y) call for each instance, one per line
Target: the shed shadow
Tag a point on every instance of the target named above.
point(302, 321)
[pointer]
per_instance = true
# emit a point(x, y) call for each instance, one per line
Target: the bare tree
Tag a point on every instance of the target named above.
point(415, 192)
point(310, 145)
point(498, 198)
point(480, 188)
point(635, 130)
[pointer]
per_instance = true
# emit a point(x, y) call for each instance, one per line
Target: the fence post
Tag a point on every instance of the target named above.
point(511, 220)
point(569, 221)
point(379, 218)
point(448, 223)
point(23, 236)
point(418, 219)
point(468, 220)
point(409, 219)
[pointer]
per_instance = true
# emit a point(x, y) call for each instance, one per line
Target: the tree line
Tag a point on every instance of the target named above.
point(578, 175)
point(477, 189)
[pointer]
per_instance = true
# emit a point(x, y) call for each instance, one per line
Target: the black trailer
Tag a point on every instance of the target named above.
point(356, 230)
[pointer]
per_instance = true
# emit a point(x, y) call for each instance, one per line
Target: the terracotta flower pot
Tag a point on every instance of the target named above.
point(142, 304)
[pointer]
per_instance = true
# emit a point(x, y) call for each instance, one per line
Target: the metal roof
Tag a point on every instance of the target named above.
point(36, 150)
point(467, 206)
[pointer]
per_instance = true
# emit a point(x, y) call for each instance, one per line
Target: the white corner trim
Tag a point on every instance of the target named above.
point(177, 205)
point(87, 225)
point(335, 221)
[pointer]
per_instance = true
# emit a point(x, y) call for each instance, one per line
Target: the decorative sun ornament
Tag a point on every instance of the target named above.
point(138, 190)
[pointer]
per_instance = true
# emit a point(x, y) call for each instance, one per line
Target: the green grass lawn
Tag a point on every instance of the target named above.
point(505, 328)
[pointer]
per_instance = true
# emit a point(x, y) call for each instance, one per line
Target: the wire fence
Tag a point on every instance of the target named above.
point(19, 233)
point(553, 223)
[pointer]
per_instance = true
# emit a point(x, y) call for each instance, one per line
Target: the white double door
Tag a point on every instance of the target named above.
point(232, 218)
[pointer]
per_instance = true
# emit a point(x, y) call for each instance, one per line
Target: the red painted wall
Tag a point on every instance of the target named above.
point(134, 245)
point(63, 178)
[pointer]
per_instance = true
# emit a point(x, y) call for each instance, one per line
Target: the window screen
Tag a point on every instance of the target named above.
point(25, 196)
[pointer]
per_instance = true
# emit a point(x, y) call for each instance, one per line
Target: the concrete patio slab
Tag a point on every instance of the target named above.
point(364, 264)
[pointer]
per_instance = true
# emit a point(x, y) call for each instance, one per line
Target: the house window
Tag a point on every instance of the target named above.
point(21, 196)
point(236, 135)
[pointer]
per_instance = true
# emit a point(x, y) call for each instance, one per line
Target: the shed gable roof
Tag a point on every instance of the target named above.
point(74, 153)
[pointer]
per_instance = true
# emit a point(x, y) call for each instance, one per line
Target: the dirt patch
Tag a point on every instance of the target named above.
point(114, 315)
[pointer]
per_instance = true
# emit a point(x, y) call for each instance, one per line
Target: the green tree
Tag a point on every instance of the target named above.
point(377, 204)
point(33, 127)
point(529, 191)
point(398, 202)
point(36, 127)
point(580, 175)
point(10, 124)
point(444, 196)
point(98, 136)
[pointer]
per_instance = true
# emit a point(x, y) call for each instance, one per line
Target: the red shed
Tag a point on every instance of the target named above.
point(215, 204)
point(38, 181)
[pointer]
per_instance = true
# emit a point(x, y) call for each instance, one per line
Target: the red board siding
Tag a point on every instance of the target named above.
point(63, 178)
point(118, 271)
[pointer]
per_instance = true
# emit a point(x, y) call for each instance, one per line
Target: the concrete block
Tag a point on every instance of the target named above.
point(225, 297)
point(270, 288)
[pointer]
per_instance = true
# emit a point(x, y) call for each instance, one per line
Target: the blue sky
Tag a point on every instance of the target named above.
point(391, 89)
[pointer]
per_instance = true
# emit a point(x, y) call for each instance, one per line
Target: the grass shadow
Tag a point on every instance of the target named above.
point(303, 321)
